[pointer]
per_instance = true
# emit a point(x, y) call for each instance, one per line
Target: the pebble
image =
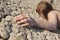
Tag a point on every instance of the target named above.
point(9, 18)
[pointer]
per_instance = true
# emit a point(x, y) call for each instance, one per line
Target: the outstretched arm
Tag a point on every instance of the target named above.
point(50, 24)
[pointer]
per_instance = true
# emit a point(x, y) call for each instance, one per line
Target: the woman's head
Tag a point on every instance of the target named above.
point(44, 7)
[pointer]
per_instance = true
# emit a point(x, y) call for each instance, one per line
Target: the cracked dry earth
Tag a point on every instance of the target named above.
point(11, 31)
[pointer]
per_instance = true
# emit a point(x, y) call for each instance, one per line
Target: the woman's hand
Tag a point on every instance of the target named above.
point(24, 20)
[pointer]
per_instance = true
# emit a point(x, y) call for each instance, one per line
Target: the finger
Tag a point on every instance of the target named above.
point(22, 21)
point(19, 18)
point(21, 15)
point(24, 25)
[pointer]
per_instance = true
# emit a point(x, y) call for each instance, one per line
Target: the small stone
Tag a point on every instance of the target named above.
point(14, 13)
point(3, 31)
point(6, 23)
point(9, 18)
point(8, 29)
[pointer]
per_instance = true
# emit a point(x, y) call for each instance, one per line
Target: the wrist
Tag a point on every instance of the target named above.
point(35, 23)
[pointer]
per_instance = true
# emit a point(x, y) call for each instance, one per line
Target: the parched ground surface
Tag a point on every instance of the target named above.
point(11, 31)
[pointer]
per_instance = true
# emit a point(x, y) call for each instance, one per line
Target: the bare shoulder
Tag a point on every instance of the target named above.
point(51, 13)
point(52, 16)
point(54, 12)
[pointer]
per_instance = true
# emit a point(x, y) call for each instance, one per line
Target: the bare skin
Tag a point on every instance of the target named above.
point(50, 24)
point(49, 18)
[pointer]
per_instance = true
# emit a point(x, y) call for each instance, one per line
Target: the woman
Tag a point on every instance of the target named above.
point(49, 18)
